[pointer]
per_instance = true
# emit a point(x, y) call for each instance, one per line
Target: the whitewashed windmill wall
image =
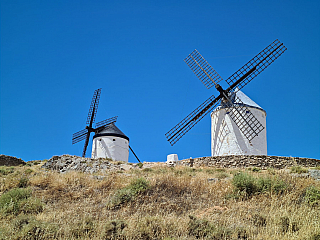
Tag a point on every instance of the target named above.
point(110, 143)
point(226, 138)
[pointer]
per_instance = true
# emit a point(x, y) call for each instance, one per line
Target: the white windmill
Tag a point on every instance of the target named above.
point(227, 139)
point(108, 141)
point(111, 143)
point(238, 124)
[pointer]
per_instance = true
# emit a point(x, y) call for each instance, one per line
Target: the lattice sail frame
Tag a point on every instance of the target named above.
point(192, 119)
point(94, 106)
point(207, 75)
point(256, 65)
point(247, 123)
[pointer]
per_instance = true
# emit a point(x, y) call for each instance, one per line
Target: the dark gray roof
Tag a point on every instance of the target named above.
point(111, 130)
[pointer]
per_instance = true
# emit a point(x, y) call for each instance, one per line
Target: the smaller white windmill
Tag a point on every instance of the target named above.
point(227, 139)
point(108, 141)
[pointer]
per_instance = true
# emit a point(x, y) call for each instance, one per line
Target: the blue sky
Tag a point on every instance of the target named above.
point(54, 54)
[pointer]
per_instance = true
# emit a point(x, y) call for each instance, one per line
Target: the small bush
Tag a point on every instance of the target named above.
point(298, 169)
point(19, 200)
point(222, 175)
point(126, 194)
point(83, 228)
point(312, 196)
point(6, 170)
point(28, 171)
point(140, 164)
point(244, 184)
point(23, 182)
point(114, 229)
point(147, 170)
point(200, 228)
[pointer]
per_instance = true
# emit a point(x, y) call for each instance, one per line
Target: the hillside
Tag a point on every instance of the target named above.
point(153, 201)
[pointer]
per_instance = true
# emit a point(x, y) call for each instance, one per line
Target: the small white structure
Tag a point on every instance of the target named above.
point(227, 139)
point(172, 160)
point(110, 143)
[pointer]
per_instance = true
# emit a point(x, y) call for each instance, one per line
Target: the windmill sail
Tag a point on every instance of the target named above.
point(241, 115)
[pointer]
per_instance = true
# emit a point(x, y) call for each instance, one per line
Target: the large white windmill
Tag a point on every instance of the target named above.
point(238, 127)
point(227, 139)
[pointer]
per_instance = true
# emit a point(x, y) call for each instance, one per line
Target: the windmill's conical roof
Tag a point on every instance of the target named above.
point(245, 100)
point(111, 130)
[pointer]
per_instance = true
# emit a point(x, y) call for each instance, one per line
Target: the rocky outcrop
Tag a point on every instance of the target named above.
point(242, 161)
point(10, 161)
point(68, 163)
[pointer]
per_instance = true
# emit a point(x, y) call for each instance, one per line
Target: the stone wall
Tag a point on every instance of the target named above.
point(10, 161)
point(242, 161)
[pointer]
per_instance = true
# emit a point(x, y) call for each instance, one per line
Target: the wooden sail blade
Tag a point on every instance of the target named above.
point(207, 75)
point(192, 119)
point(94, 106)
point(255, 66)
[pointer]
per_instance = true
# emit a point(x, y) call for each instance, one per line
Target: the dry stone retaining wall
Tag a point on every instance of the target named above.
point(242, 161)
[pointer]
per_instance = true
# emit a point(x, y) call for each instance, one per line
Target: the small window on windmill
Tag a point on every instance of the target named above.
point(247, 111)
point(113, 140)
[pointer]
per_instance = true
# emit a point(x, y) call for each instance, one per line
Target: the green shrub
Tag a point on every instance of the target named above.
point(114, 229)
point(23, 182)
point(83, 228)
point(6, 170)
point(273, 185)
point(298, 169)
point(222, 175)
point(28, 171)
point(147, 170)
point(200, 228)
point(256, 169)
point(19, 200)
point(204, 229)
point(312, 196)
point(126, 194)
point(33, 229)
point(140, 164)
point(245, 184)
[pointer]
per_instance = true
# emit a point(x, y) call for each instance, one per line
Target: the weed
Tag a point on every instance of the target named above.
point(222, 175)
point(259, 220)
point(140, 164)
point(83, 228)
point(271, 171)
point(23, 182)
point(19, 200)
point(298, 169)
point(200, 228)
point(147, 170)
point(114, 229)
point(28, 171)
point(6, 170)
point(28, 164)
point(126, 194)
point(312, 196)
point(244, 184)
point(256, 169)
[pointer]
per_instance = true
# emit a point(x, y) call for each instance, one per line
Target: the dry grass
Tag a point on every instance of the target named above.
point(166, 203)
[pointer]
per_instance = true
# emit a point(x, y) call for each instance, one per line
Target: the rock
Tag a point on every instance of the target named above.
point(314, 174)
point(10, 161)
